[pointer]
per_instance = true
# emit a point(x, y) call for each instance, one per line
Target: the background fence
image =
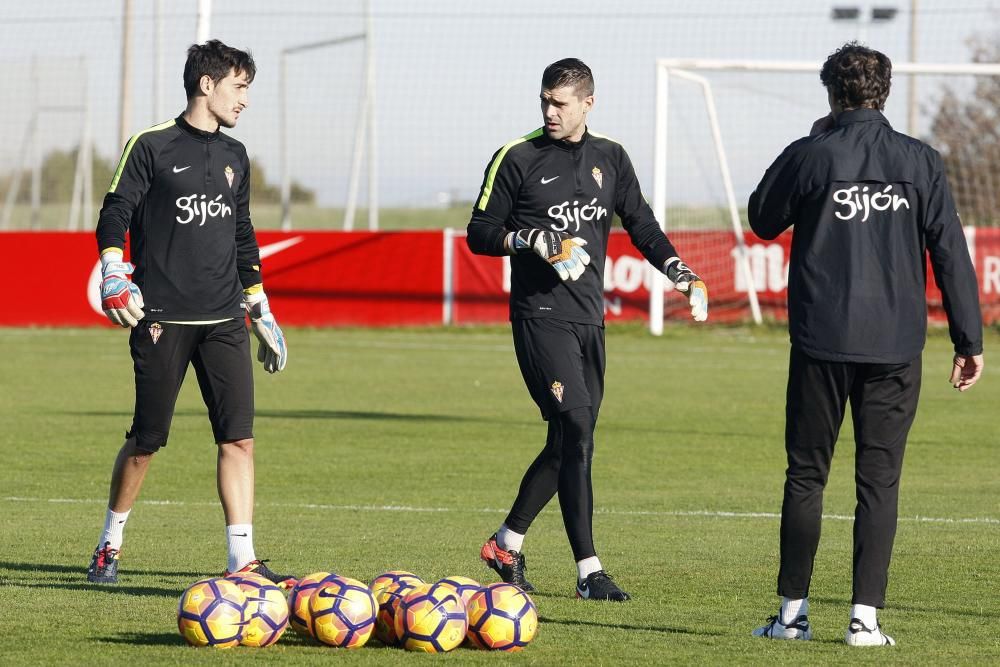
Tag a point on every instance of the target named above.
point(454, 80)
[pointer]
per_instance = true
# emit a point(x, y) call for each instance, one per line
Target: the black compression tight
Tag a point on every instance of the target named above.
point(563, 466)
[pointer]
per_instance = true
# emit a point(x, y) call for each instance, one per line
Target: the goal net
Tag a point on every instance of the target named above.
point(720, 124)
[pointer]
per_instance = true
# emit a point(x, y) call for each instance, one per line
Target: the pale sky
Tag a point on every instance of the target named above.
point(456, 80)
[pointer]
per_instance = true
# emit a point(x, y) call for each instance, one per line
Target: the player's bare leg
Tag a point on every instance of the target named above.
point(127, 477)
point(235, 478)
point(236, 481)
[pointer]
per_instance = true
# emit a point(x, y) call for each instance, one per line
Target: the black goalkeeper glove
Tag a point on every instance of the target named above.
point(563, 252)
point(690, 285)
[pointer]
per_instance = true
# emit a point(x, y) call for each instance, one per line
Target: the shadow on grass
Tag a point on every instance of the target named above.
point(144, 639)
point(365, 415)
point(140, 591)
point(82, 571)
point(622, 626)
point(359, 415)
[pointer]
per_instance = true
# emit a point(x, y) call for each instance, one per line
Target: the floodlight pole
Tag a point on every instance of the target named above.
point(125, 102)
point(911, 92)
point(157, 62)
point(82, 183)
point(203, 31)
point(372, 125)
point(286, 177)
point(36, 154)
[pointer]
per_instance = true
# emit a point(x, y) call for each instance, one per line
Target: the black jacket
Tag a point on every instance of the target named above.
point(184, 196)
point(537, 183)
point(867, 203)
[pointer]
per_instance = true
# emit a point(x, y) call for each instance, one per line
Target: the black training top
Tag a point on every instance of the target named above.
point(867, 203)
point(184, 195)
point(537, 183)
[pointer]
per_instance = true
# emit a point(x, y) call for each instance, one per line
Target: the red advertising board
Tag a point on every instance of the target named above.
point(401, 278)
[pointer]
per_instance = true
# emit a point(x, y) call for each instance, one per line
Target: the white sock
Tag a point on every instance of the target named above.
point(865, 614)
point(114, 529)
point(239, 542)
point(508, 540)
point(587, 566)
point(792, 609)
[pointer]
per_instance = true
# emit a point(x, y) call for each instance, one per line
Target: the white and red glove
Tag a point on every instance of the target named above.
point(121, 299)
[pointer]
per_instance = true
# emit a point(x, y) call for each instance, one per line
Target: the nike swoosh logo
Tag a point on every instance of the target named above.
point(274, 248)
point(180, 169)
point(546, 181)
point(239, 535)
point(325, 593)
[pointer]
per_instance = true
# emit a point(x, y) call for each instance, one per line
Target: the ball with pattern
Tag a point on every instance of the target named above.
point(502, 617)
point(342, 612)
point(212, 612)
point(391, 579)
point(388, 602)
point(267, 611)
point(464, 587)
point(430, 619)
point(298, 601)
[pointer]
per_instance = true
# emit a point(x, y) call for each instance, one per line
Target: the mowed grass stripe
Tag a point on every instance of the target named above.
point(708, 514)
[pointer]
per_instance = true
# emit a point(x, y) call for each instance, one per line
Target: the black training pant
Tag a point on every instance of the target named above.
point(883, 401)
point(563, 367)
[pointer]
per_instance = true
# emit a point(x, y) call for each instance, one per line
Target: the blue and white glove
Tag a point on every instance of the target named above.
point(690, 285)
point(564, 252)
point(272, 350)
point(121, 299)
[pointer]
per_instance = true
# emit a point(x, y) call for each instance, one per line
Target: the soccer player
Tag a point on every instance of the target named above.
point(867, 203)
point(182, 190)
point(547, 200)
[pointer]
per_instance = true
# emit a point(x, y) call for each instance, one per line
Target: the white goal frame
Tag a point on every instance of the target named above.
point(685, 70)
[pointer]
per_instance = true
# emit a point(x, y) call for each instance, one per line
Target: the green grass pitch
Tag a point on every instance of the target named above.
point(402, 449)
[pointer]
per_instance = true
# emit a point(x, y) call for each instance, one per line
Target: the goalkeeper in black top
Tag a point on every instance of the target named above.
point(182, 191)
point(547, 200)
point(868, 205)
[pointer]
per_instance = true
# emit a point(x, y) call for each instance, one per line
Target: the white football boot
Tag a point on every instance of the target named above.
point(775, 629)
point(860, 635)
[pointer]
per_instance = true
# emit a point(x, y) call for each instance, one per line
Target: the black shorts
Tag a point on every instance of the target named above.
point(562, 363)
point(220, 354)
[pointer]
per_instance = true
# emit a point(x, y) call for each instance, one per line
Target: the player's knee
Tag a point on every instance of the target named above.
point(578, 433)
point(135, 454)
point(243, 447)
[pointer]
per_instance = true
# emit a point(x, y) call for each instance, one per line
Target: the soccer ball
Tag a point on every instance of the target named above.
point(267, 611)
point(211, 612)
point(298, 601)
point(502, 617)
point(464, 587)
point(391, 578)
point(430, 619)
point(388, 601)
point(342, 612)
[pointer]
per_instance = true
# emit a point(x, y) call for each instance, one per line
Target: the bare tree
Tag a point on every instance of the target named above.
point(966, 130)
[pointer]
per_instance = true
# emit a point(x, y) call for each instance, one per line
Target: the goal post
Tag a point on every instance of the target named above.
point(718, 125)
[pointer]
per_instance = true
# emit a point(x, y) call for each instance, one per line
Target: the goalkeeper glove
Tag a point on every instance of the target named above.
point(272, 350)
point(563, 252)
point(121, 299)
point(690, 285)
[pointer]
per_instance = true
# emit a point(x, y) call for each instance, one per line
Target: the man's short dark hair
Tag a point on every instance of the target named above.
point(857, 77)
point(216, 60)
point(569, 72)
